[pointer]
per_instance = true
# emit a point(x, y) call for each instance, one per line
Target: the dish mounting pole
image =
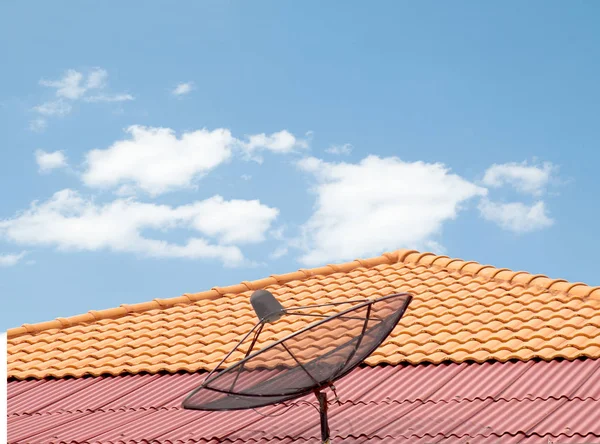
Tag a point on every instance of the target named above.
point(322, 398)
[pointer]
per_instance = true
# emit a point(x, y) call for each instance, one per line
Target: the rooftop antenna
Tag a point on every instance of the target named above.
point(307, 360)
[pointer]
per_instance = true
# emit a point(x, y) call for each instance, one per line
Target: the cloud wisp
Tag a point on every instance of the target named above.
point(109, 98)
point(339, 150)
point(70, 222)
point(10, 260)
point(38, 125)
point(72, 87)
point(183, 89)
point(56, 108)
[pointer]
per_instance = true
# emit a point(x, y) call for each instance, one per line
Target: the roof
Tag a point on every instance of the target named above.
point(525, 402)
point(461, 311)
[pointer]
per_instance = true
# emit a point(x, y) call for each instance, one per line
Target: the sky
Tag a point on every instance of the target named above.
point(149, 149)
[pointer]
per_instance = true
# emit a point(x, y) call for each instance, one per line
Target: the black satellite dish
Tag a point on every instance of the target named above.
point(307, 360)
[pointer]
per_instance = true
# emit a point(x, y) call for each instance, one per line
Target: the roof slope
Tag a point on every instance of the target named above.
point(461, 311)
point(446, 403)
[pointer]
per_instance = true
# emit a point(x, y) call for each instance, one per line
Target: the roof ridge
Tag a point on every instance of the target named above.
point(472, 268)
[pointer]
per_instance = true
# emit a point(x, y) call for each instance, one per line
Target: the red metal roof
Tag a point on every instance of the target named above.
point(514, 402)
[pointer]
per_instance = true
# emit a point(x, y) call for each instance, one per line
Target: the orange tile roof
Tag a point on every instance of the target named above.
point(461, 311)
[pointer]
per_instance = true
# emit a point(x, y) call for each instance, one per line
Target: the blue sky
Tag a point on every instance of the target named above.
point(151, 149)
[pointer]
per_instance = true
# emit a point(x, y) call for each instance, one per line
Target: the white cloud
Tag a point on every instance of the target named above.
point(340, 149)
point(379, 204)
point(156, 160)
point(38, 125)
point(68, 221)
point(9, 260)
point(108, 98)
point(55, 108)
point(183, 89)
point(234, 221)
point(282, 142)
point(530, 179)
point(516, 216)
point(49, 161)
point(246, 177)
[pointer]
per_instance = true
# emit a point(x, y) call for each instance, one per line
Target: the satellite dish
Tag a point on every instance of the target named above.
point(307, 360)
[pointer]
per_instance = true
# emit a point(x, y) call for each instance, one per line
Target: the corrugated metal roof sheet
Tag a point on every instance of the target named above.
point(526, 402)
